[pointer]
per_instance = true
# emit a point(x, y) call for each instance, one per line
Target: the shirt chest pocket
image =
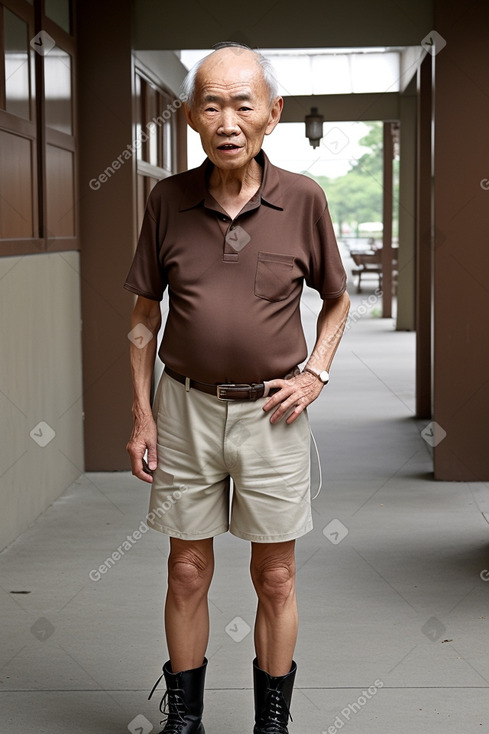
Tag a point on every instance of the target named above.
point(274, 279)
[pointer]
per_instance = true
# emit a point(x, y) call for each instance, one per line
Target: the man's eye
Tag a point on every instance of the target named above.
point(210, 109)
point(245, 109)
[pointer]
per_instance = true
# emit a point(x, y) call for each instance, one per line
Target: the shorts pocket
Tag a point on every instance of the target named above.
point(274, 276)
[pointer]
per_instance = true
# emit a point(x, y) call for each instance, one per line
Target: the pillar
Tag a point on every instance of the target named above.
point(461, 255)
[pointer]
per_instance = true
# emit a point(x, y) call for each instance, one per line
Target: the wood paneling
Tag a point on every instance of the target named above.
point(461, 255)
point(16, 205)
point(59, 193)
point(38, 163)
point(107, 220)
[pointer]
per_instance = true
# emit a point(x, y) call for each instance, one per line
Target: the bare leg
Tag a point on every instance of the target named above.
point(190, 569)
point(276, 624)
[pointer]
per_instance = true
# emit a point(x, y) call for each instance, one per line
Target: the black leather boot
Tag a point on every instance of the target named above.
point(272, 700)
point(183, 702)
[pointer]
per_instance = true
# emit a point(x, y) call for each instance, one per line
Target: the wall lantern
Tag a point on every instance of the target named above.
point(314, 127)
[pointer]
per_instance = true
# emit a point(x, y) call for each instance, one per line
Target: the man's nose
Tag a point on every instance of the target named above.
point(228, 123)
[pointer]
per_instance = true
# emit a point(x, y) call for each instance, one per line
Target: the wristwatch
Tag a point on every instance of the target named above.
point(322, 375)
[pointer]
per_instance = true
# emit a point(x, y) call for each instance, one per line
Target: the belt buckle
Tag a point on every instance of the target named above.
point(229, 387)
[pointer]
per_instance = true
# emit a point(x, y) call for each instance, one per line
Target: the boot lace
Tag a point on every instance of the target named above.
point(172, 706)
point(275, 714)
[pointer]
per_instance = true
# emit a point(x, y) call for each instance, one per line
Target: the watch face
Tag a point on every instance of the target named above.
point(324, 376)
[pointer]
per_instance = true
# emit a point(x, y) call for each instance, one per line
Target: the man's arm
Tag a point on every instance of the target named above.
point(300, 391)
point(143, 437)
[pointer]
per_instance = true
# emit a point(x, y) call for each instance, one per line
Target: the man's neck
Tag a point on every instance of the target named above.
point(237, 183)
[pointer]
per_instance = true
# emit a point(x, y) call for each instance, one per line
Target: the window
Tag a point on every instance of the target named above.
point(59, 12)
point(16, 65)
point(156, 135)
point(37, 143)
point(58, 91)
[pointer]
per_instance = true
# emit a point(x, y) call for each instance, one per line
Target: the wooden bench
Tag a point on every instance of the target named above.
point(367, 262)
point(370, 262)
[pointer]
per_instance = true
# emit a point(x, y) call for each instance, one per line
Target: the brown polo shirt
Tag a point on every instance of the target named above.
point(235, 285)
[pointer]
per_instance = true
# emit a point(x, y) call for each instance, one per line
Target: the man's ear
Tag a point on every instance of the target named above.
point(275, 114)
point(188, 115)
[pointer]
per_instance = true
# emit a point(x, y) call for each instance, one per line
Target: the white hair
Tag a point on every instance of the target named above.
point(188, 84)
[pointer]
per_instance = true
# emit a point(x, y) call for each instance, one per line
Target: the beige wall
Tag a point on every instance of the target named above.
point(40, 381)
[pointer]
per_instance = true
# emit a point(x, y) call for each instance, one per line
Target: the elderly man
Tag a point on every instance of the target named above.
point(234, 240)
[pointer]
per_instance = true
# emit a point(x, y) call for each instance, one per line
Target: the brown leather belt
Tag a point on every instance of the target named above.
point(225, 391)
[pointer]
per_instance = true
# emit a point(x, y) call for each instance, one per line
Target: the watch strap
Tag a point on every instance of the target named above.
point(316, 373)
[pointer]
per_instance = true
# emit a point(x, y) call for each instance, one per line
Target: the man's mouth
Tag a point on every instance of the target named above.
point(228, 146)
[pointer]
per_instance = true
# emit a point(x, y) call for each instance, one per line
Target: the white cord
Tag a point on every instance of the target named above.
point(319, 465)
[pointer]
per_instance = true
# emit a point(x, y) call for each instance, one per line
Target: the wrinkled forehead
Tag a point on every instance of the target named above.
point(229, 74)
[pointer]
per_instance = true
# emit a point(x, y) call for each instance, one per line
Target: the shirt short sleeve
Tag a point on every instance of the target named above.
point(327, 274)
point(146, 276)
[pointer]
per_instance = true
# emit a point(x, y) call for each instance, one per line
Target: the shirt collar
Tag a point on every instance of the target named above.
point(197, 188)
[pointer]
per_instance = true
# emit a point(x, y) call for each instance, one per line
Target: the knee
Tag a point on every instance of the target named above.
point(274, 580)
point(189, 572)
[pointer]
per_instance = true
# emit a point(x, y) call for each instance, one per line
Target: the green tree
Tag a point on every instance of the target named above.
point(357, 196)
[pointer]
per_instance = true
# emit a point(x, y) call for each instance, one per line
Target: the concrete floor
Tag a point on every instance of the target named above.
point(393, 600)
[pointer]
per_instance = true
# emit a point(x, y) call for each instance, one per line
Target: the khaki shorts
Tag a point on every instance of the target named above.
point(204, 442)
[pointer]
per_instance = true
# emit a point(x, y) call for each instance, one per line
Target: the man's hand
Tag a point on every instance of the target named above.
point(143, 438)
point(299, 392)
point(296, 393)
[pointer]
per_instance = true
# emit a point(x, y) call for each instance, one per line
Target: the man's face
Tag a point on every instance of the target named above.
point(232, 111)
